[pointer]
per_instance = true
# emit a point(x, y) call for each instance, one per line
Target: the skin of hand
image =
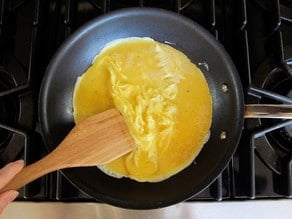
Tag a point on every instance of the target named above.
point(6, 174)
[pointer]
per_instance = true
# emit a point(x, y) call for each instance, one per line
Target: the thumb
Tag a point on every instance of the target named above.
point(6, 198)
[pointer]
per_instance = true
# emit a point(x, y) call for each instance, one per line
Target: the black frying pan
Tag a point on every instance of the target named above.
point(76, 55)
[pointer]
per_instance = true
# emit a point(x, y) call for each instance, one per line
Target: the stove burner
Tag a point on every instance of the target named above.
point(285, 8)
point(14, 5)
point(171, 5)
point(272, 84)
point(9, 108)
point(280, 137)
point(287, 3)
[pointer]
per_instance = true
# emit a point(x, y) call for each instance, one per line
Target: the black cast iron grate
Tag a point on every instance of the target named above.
point(32, 30)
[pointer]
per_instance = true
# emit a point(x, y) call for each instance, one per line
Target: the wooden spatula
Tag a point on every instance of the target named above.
point(97, 140)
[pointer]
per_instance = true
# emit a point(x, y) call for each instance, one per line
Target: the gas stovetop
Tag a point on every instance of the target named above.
point(256, 33)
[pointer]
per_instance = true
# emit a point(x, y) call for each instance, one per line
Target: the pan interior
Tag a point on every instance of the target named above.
point(76, 55)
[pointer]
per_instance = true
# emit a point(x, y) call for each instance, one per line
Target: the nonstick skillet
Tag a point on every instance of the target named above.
point(76, 55)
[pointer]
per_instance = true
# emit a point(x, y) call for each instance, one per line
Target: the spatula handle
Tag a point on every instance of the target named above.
point(98, 139)
point(30, 173)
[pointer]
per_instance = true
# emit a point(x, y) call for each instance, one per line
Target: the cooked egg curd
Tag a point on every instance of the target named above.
point(163, 98)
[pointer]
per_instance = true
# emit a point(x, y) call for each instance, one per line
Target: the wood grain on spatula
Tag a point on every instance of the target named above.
point(97, 140)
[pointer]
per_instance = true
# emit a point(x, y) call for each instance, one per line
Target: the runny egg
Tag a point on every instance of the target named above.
point(163, 97)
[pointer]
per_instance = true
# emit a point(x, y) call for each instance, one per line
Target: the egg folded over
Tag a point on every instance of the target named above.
point(163, 98)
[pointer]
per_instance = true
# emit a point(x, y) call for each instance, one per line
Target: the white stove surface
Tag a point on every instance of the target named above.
point(227, 209)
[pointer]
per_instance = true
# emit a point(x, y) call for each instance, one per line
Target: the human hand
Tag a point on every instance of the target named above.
point(6, 174)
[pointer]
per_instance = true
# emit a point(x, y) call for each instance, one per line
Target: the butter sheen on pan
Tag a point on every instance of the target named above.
point(163, 97)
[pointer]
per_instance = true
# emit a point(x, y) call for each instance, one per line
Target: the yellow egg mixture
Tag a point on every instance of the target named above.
point(163, 98)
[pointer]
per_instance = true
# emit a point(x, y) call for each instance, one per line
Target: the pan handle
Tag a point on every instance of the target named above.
point(272, 111)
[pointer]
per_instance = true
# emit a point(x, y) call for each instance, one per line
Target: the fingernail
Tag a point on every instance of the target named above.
point(12, 195)
point(18, 162)
point(21, 162)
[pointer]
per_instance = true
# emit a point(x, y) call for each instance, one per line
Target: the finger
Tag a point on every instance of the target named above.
point(6, 198)
point(9, 171)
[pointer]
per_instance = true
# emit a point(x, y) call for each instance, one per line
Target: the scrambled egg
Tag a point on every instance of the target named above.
point(163, 98)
